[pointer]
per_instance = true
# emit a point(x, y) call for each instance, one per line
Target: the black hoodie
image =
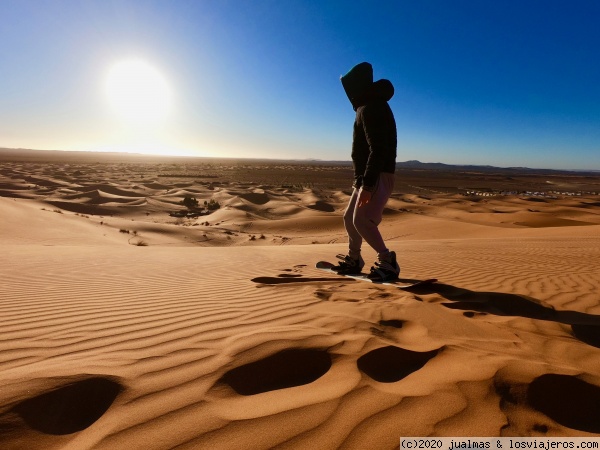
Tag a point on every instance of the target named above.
point(374, 139)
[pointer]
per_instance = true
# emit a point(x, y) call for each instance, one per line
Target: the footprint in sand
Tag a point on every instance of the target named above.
point(567, 400)
point(391, 323)
point(386, 325)
point(70, 408)
point(323, 294)
point(390, 364)
point(286, 369)
point(471, 314)
point(296, 268)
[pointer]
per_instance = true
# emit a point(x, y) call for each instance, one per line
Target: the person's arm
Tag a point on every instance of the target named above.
point(374, 123)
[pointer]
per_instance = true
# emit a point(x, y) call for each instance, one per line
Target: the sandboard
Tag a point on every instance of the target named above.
point(400, 283)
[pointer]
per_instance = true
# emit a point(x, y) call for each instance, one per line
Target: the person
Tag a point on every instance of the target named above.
point(374, 162)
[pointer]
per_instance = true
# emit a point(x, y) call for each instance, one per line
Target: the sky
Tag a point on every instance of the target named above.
point(511, 83)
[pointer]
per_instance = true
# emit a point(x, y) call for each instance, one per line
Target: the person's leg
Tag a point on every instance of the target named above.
point(367, 218)
point(352, 263)
point(354, 238)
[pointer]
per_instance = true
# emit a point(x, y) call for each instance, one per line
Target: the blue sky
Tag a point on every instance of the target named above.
point(510, 83)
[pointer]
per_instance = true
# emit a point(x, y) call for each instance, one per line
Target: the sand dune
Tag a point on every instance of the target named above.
point(124, 327)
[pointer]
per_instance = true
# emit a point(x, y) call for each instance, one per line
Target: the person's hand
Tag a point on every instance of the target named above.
point(363, 197)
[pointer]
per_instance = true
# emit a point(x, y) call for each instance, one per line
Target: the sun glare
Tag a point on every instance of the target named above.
point(138, 92)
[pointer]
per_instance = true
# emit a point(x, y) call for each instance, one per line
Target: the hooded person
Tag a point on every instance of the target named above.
point(374, 144)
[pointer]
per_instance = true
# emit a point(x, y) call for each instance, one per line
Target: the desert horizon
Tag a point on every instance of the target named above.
point(130, 320)
point(25, 154)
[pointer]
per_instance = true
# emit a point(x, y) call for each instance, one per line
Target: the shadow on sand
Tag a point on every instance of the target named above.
point(585, 327)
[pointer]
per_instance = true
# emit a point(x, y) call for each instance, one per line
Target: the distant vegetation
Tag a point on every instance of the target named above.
point(212, 205)
point(189, 202)
point(193, 210)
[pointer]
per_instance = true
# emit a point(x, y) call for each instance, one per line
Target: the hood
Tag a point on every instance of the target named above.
point(383, 89)
point(359, 86)
point(357, 82)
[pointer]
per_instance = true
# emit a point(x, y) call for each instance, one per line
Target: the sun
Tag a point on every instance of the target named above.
point(138, 92)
